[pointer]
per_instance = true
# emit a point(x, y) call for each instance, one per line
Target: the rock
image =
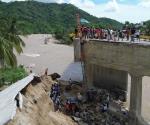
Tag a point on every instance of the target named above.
point(97, 108)
point(114, 107)
point(36, 80)
point(82, 123)
point(117, 123)
point(77, 114)
point(55, 76)
point(76, 119)
point(79, 97)
point(122, 98)
point(90, 112)
point(92, 118)
point(103, 120)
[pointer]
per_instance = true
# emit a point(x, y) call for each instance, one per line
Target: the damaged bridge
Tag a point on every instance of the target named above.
point(107, 64)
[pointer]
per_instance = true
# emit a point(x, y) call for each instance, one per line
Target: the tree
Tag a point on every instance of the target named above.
point(148, 27)
point(127, 23)
point(9, 40)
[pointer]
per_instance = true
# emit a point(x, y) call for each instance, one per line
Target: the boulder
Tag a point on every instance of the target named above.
point(55, 76)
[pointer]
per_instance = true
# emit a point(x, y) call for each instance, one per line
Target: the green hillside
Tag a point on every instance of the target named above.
point(37, 17)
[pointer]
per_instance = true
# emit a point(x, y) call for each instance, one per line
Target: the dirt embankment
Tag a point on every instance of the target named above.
point(38, 108)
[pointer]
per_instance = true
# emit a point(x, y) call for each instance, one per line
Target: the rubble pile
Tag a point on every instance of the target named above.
point(93, 106)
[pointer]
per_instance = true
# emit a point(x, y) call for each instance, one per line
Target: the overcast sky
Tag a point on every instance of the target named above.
point(121, 10)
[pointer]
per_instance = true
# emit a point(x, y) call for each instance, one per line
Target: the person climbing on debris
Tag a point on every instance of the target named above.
point(55, 93)
point(91, 95)
point(79, 97)
point(57, 103)
point(104, 108)
point(107, 100)
point(71, 106)
point(67, 107)
point(70, 82)
point(85, 115)
point(57, 89)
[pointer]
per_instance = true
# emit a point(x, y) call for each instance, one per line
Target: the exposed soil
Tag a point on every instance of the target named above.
point(38, 108)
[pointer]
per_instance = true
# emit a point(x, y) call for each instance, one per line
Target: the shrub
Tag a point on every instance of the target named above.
point(11, 75)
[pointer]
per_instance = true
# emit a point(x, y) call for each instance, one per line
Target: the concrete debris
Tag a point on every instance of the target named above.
point(55, 76)
point(76, 118)
point(36, 80)
point(99, 107)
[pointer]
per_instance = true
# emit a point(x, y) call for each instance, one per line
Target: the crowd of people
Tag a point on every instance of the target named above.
point(128, 34)
point(70, 105)
point(55, 95)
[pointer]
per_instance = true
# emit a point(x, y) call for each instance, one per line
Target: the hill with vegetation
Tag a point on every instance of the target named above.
point(36, 17)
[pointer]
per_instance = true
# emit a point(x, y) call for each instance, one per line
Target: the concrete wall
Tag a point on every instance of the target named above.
point(105, 77)
point(130, 57)
point(109, 78)
point(101, 76)
point(77, 50)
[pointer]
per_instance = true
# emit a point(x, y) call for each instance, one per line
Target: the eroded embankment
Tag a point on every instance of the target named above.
point(38, 108)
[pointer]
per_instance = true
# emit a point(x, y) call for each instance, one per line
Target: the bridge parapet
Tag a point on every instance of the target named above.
point(130, 57)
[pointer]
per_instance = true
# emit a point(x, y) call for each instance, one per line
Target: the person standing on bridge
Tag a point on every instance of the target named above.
point(120, 35)
point(128, 34)
point(132, 34)
point(138, 35)
point(108, 34)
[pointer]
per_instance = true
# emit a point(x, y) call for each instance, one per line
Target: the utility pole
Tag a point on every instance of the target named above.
point(81, 46)
point(78, 24)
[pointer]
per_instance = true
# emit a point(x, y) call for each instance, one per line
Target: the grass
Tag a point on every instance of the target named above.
point(9, 76)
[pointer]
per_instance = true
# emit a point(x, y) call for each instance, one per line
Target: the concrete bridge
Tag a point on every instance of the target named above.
point(107, 64)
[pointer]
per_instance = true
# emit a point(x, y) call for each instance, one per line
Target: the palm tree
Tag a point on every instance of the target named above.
point(9, 40)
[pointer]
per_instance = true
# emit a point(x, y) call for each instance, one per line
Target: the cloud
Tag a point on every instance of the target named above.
point(89, 4)
point(112, 6)
point(83, 3)
point(122, 0)
point(61, 1)
point(115, 10)
point(145, 0)
point(145, 3)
